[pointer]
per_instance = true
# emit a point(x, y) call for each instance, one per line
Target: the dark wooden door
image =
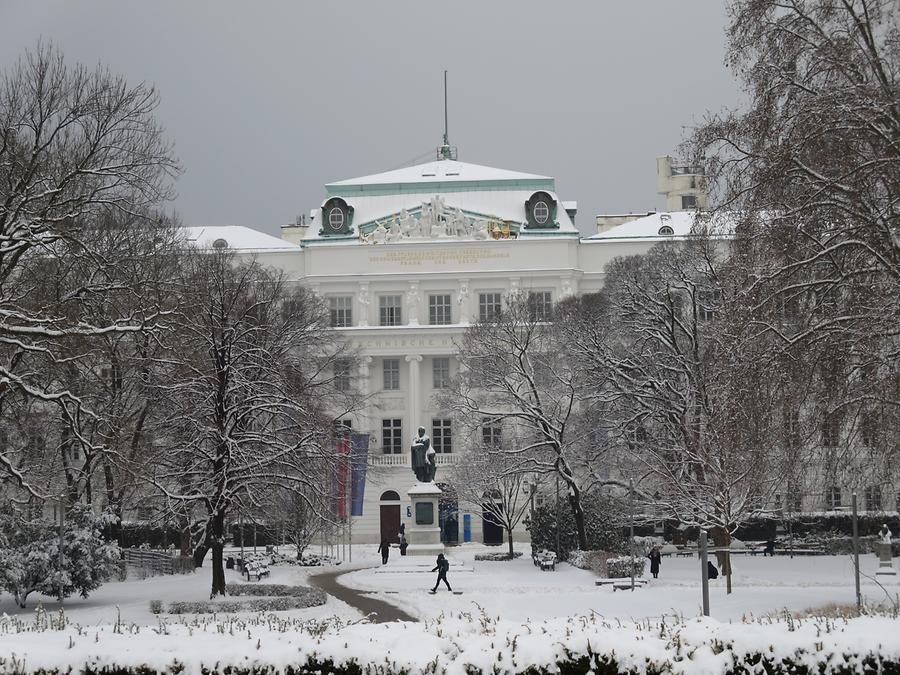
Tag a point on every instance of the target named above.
point(493, 531)
point(390, 522)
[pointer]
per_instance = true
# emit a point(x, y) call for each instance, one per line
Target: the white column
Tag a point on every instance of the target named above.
point(414, 402)
point(465, 304)
point(365, 389)
point(364, 301)
point(413, 300)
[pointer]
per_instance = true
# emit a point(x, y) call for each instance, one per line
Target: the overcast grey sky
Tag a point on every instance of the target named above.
point(268, 101)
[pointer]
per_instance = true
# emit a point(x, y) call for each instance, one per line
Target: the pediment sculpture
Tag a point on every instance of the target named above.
point(435, 220)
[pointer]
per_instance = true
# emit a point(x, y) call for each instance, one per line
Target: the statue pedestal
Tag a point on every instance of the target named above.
point(423, 532)
point(885, 561)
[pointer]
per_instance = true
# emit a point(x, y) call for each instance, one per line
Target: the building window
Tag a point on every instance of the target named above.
point(341, 310)
point(540, 305)
point(391, 437)
point(708, 302)
point(440, 372)
point(541, 212)
point(489, 306)
point(688, 202)
point(391, 370)
point(794, 502)
point(830, 431)
point(491, 433)
point(873, 498)
point(342, 374)
point(867, 429)
point(336, 218)
point(666, 231)
point(342, 426)
point(833, 496)
point(441, 436)
point(439, 310)
point(389, 310)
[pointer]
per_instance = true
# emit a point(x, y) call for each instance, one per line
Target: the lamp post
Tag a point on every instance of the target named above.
point(62, 526)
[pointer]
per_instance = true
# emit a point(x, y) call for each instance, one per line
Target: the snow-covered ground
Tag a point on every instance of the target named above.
point(132, 598)
point(517, 590)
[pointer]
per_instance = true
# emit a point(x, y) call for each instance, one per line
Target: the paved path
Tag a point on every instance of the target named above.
point(377, 610)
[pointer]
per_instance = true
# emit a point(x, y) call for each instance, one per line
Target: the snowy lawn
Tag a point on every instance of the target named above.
point(133, 597)
point(458, 645)
point(516, 590)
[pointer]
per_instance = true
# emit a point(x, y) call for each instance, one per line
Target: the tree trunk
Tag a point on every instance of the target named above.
point(509, 531)
point(217, 543)
point(722, 540)
point(578, 515)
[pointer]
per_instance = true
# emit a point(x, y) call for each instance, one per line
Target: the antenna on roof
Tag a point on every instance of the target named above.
point(446, 151)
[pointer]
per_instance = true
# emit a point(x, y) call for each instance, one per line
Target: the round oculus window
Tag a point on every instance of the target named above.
point(666, 230)
point(336, 218)
point(220, 243)
point(541, 212)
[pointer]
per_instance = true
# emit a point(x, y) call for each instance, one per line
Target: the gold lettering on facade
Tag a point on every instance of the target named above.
point(435, 256)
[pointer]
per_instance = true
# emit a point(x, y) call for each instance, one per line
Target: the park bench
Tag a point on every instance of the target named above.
point(546, 560)
point(256, 569)
point(620, 582)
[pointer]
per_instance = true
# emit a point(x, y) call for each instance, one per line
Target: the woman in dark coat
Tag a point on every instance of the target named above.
point(384, 549)
point(654, 561)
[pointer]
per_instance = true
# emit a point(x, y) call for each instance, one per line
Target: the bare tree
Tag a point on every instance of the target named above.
point(249, 378)
point(692, 398)
point(516, 382)
point(810, 172)
point(75, 144)
point(493, 483)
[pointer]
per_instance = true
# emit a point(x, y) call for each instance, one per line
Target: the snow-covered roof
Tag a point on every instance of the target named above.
point(440, 171)
point(506, 205)
point(236, 237)
point(661, 226)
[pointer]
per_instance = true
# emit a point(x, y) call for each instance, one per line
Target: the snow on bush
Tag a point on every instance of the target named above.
point(270, 590)
point(30, 561)
point(601, 522)
point(590, 560)
point(621, 567)
point(462, 644)
point(497, 557)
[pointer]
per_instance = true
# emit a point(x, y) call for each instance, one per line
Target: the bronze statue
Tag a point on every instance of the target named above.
point(424, 464)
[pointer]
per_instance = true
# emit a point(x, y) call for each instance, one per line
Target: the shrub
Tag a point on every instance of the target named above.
point(268, 590)
point(498, 557)
point(601, 525)
point(590, 560)
point(156, 607)
point(29, 556)
point(617, 568)
point(312, 597)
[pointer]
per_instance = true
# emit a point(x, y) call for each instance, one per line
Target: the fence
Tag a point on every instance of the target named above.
point(158, 562)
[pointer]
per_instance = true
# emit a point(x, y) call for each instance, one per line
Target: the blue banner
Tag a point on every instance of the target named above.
point(359, 461)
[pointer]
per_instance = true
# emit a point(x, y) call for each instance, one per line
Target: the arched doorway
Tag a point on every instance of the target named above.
point(448, 512)
point(389, 506)
point(493, 530)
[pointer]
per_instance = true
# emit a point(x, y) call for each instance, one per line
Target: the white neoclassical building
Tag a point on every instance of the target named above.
point(406, 260)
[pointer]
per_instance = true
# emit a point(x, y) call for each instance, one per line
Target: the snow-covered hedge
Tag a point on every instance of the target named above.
point(497, 557)
point(590, 560)
point(621, 567)
point(455, 645)
point(271, 590)
point(280, 604)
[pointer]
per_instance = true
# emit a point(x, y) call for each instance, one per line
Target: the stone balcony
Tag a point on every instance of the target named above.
point(403, 459)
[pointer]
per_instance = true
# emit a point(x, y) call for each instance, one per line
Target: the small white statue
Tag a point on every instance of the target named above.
point(885, 534)
point(394, 233)
point(379, 234)
point(480, 231)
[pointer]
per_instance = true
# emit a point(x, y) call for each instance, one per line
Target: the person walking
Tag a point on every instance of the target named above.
point(711, 571)
point(403, 544)
point(442, 566)
point(654, 561)
point(384, 549)
point(769, 549)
